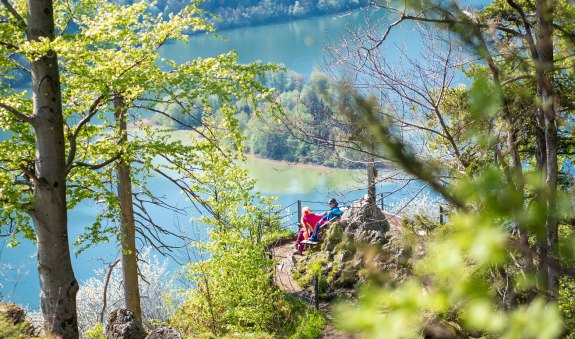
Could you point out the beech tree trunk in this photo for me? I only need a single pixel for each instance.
(57, 282)
(128, 226)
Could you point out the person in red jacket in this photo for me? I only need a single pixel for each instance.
(333, 213)
(308, 221)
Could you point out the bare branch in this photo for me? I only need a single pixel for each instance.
(73, 137)
(16, 64)
(399, 154)
(521, 77)
(95, 166)
(104, 297)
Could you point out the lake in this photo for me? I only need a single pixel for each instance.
(314, 185)
(299, 46)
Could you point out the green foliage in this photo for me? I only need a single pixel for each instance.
(9, 330)
(567, 303)
(315, 127)
(461, 273)
(491, 269)
(467, 264)
(310, 268)
(96, 332)
(307, 321)
(112, 53)
(234, 291)
(306, 130)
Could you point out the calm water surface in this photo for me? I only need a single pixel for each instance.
(299, 45)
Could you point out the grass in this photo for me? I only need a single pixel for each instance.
(309, 322)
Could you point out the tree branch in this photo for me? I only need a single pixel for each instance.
(19, 115)
(105, 301)
(73, 137)
(528, 36)
(9, 45)
(399, 154)
(31, 175)
(95, 166)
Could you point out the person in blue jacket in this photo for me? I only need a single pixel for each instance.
(334, 212)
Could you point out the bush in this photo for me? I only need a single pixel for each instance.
(96, 332)
(10, 330)
(567, 304)
(154, 291)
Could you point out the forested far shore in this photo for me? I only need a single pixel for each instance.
(236, 13)
(231, 14)
(306, 132)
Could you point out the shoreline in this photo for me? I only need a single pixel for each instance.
(284, 19)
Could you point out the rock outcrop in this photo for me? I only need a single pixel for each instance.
(13, 313)
(16, 315)
(365, 223)
(123, 324)
(164, 333)
(350, 248)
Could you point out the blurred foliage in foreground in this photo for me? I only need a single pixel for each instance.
(498, 152)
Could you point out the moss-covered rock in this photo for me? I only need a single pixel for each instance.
(13, 323)
(351, 248)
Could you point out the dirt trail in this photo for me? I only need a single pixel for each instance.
(283, 278)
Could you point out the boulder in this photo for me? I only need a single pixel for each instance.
(13, 313)
(365, 223)
(16, 315)
(164, 333)
(123, 324)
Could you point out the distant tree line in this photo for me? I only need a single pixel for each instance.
(310, 130)
(236, 13)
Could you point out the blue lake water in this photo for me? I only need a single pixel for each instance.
(320, 184)
(298, 45)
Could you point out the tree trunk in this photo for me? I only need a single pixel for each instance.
(128, 226)
(57, 282)
(545, 65)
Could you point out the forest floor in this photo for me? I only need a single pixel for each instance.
(283, 278)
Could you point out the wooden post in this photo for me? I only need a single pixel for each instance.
(371, 176)
(371, 181)
(298, 210)
(316, 291)
(441, 221)
(382, 202)
(259, 231)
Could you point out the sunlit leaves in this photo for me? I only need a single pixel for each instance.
(485, 97)
(234, 292)
(540, 319)
(474, 267)
(107, 50)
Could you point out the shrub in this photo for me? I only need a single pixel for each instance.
(10, 330)
(155, 293)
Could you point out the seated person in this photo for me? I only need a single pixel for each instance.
(308, 219)
(334, 212)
